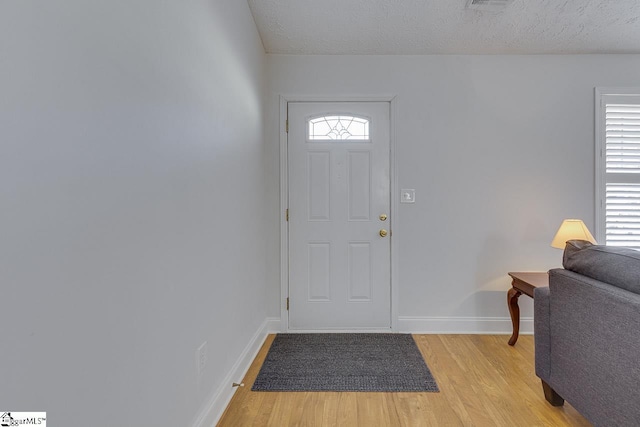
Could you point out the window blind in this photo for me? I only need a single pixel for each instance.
(622, 174)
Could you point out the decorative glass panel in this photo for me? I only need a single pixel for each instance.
(336, 127)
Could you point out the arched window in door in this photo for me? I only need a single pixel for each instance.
(338, 127)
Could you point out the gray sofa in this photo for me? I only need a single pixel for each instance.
(587, 333)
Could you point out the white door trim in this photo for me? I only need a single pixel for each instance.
(284, 196)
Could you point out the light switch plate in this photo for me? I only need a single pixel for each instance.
(407, 195)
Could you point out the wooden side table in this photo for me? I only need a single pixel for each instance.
(523, 283)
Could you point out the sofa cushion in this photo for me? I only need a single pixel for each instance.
(614, 265)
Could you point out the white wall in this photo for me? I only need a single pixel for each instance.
(131, 182)
(499, 150)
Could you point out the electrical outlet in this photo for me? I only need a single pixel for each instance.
(201, 358)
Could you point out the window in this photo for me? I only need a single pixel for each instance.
(618, 167)
(337, 127)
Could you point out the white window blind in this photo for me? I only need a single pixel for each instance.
(619, 169)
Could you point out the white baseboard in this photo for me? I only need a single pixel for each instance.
(214, 408)
(463, 325)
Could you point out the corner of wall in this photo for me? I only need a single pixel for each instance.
(214, 408)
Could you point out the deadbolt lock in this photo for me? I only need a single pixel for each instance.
(383, 217)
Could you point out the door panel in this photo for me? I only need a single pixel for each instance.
(360, 271)
(359, 186)
(319, 189)
(339, 264)
(319, 271)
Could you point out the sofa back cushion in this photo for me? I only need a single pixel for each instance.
(614, 265)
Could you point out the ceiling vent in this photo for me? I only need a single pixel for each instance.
(488, 5)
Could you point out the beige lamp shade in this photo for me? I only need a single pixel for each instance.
(571, 229)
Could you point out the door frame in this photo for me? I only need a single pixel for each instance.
(284, 198)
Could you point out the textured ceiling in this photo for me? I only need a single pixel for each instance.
(447, 27)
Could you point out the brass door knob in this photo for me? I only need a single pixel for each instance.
(383, 217)
(383, 233)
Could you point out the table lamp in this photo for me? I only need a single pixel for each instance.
(572, 229)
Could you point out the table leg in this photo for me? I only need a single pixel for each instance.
(514, 310)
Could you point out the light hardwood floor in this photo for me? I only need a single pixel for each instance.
(482, 380)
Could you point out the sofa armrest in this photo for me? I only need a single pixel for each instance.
(542, 332)
(594, 346)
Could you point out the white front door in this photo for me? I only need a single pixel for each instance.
(339, 208)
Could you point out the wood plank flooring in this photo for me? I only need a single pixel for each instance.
(482, 380)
